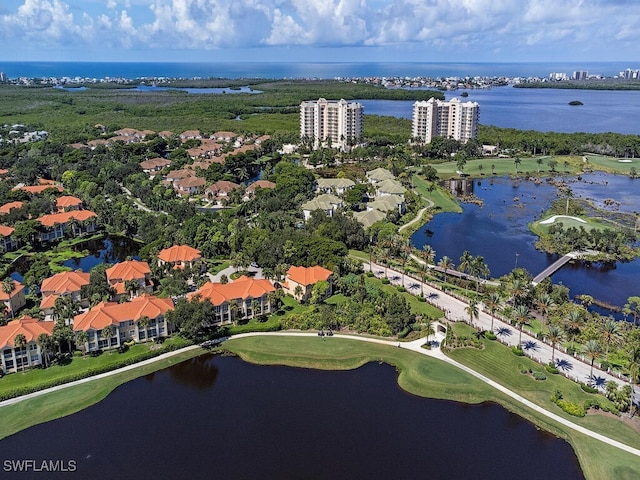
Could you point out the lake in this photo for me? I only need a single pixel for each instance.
(543, 109)
(219, 417)
(499, 232)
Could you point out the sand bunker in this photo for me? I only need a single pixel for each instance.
(555, 217)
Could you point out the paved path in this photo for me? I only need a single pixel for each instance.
(572, 367)
(435, 352)
(418, 216)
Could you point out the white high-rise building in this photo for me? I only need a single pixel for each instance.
(330, 122)
(452, 119)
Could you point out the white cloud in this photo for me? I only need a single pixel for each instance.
(445, 25)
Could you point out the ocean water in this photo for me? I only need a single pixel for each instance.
(299, 70)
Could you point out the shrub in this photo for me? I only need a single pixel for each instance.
(571, 408)
(401, 288)
(571, 350)
(385, 281)
(551, 368)
(604, 365)
(490, 336)
(539, 376)
(517, 350)
(369, 274)
(588, 388)
(421, 299)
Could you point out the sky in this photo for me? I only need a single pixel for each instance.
(319, 30)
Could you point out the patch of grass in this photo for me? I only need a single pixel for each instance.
(417, 307)
(442, 199)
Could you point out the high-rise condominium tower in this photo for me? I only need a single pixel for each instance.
(452, 119)
(331, 123)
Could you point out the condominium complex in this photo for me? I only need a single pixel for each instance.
(453, 119)
(331, 123)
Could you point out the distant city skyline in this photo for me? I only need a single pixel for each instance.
(319, 30)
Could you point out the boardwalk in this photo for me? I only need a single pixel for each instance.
(561, 262)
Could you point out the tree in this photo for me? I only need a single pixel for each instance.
(521, 315)
(8, 286)
(143, 324)
(45, 343)
(20, 343)
(552, 164)
(82, 338)
(446, 264)
(298, 291)
(539, 162)
(319, 291)
(472, 310)
(544, 304)
(493, 302)
(632, 307)
(465, 262)
(573, 323)
(131, 286)
(428, 327)
(107, 333)
(592, 349)
(478, 268)
(555, 336)
(517, 163)
(610, 334)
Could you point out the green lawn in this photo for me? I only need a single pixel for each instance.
(490, 166)
(442, 199)
(421, 308)
(613, 164)
(591, 224)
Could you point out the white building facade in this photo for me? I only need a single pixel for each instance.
(451, 119)
(331, 123)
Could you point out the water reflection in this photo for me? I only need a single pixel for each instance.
(199, 373)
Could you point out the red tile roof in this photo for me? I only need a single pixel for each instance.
(261, 184)
(128, 270)
(179, 253)
(30, 327)
(112, 313)
(308, 275)
(7, 207)
(39, 188)
(242, 288)
(65, 217)
(68, 201)
(5, 297)
(6, 231)
(64, 282)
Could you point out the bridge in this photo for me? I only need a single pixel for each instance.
(561, 262)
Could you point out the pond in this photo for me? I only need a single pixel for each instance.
(498, 230)
(219, 417)
(106, 250)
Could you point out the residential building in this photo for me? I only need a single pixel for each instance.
(369, 217)
(326, 202)
(63, 284)
(7, 241)
(124, 320)
(389, 187)
(189, 185)
(7, 207)
(378, 175)
(136, 271)
(219, 190)
(338, 186)
(331, 123)
(76, 222)
(38, 189)
(306, 278)
(154, 165)
(250, 191)
(15, 299)
(451, 119)
(245, 297)
(67, 203)
(13, 358)
(180, 257)
(388, 203)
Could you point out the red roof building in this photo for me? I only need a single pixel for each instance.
(245, 297)
(180, 256)
(57, 223)
(12, 358)
(67, 202)
(7, 207)
(130, 270)
(306, 278)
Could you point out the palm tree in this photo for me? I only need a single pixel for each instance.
(465, 262)
(592, 349)
(298, 291)
(610, 334)
(428, 327)
(82, 338)
(131, 286)
(493, 302)
(521, 315)
(573, 323)
(234, 309)
(20, 343)
(107, 333)
(143, 324)
(517, 163)
(8, 286)
(544, 304)
(45, 343)
(424, 268)
(479, 269)
(428, 253)
(539, 162)
(446, 264)
(472, 310)
(555, 336)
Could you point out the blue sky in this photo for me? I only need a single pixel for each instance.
(320, 30)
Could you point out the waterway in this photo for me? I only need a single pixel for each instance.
(219, 417)
(498, 230)
(543, 110)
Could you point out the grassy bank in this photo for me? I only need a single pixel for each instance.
(431, 378)
(14, 418)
